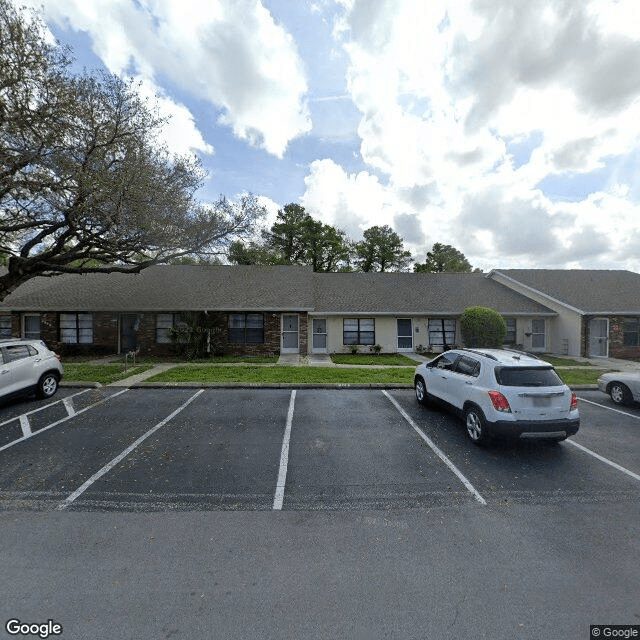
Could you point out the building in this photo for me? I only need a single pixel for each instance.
(290, 309)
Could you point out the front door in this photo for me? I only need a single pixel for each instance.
(598, 338)
(405, 334)
(538, 334)
(289, 334)
(319, 335)
(128, 332)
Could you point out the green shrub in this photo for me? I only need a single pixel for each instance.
(482, 327)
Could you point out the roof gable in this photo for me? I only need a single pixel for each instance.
(589, 291)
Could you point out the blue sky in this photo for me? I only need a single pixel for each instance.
(509, 130)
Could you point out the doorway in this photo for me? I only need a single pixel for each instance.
(598, 337)
(290, 334)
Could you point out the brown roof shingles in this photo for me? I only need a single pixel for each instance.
(591, 291)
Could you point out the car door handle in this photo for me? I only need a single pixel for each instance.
(4, 371)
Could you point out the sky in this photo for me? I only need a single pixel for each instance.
(510, 130)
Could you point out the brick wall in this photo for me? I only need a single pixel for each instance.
(616, 341)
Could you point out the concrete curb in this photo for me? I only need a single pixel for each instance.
(267, 385)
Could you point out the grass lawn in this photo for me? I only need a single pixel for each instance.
(387, 359)
(299, 375)
(103, 373)
(579, 376)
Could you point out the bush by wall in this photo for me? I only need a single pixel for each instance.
(482, 327)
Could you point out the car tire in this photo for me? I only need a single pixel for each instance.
(475, 425)
(421, 391)
(47, 385)
(620, 393)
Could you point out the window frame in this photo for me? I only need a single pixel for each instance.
(634, 331)
(6, 326)
(357, 334)
(244, 332)
(434, 330)
(176, 320)
(511, 335)
(79, 329)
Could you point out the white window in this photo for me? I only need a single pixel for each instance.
(164, 322)
(441, 331)
(510, 335)
(31, 327)
(359, 331)
(76, 328)
(5, 326)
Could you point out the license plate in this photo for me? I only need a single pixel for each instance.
(541, 401)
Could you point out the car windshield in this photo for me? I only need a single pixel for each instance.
(527, 377)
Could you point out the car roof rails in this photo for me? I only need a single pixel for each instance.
(480, 353)
(522, 353)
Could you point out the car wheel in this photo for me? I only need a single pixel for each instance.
(475, 425)
(47, 385)
(421, 391)
(620, 393)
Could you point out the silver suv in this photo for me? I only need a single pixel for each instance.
(27, 366)
(500, 393)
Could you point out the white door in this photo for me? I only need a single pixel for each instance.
(538, 334)
(405, 334)
(319, 344)
(598, 338)
(289, 334)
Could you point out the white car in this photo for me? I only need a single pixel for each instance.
(622, 386)
(27, 366)
(500, 393)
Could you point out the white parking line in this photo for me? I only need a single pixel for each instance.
(26, 428)
(603, 459)
(624, 413)
(107, 467)
(437, 450)
(278, 499)
(46, 406)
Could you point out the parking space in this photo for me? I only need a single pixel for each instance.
(184, 449)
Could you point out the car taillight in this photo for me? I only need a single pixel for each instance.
(574, 402)
(500, 403)
(57, 356)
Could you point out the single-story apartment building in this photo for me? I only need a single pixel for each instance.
(290, 309)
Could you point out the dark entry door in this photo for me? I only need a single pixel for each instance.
(128, 332)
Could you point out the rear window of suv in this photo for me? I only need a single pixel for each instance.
(527, 377)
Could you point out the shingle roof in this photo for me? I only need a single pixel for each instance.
(416, 293)
(171, 288)
(590, 291)
(286, 288)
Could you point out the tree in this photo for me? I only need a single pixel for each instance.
(482, 327)
(251, 253)
(287, 235)
(444, 258)
(381, 250)
(84, 184)
(327, 248)
(296, 238)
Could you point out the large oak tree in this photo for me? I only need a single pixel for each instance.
(85, 185)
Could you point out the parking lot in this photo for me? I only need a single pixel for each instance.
(274, 499)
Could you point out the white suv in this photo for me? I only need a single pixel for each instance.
(27, 366)
(500, 393)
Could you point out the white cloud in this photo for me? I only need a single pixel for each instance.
(444, 88)
(230, 53)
